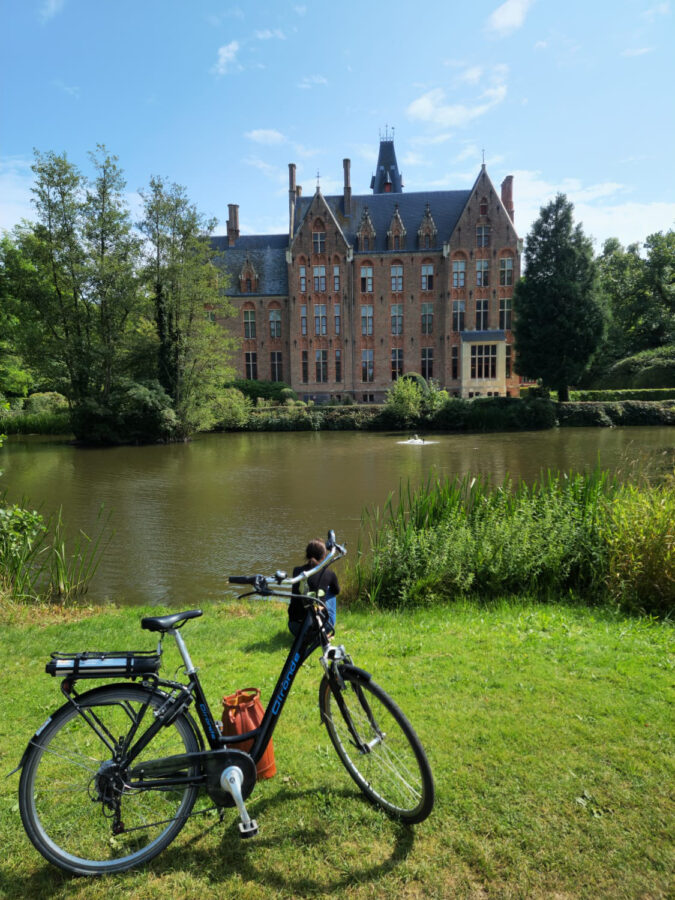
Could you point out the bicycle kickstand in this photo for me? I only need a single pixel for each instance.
(231, 781)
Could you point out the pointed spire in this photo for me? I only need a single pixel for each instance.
(387, 178)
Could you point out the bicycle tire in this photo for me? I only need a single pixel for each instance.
(61, 781)
(395, 773)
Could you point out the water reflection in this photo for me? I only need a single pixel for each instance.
(187, 515)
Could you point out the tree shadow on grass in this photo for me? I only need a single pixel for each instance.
(249, 860)
(282, 640)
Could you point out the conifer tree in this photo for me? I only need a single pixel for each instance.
(559, 314)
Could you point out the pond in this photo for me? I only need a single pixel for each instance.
(185, 516)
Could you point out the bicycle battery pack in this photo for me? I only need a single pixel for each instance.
(94, 664)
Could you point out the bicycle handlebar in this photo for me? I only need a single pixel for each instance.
(261, 583)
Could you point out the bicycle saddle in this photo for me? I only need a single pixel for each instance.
(165, 623)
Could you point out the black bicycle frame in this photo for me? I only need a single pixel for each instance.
(300, 651)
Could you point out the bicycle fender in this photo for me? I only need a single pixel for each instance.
(354, 670)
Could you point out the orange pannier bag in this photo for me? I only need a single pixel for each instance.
(242, 712)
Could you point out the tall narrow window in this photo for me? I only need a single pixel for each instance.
(509, 361)
(319, 241)
(396, 363)
(366, 320)
(303, 320)
(397, 242)
(505, 313)
(506, 271)
(276, 373)
(336, 279)
(319, 279)
(427, 278)
(458, 310)
(397, 318)
(322, 366)
(482, 268)
(366, 279)
(427, 318)
(483, 360)
(481, 315)
(305, 367)
(458, 273)
(483, 236)
(396, 279)
(252, 366)
(338, 365)
(454, 362)
(366, 243)
(303, 279)
(427, 362)
(275, 323)
(320, 320)
(367, 365)
(338, 318)
(249, 323)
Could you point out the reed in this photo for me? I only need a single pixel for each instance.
(53, 422)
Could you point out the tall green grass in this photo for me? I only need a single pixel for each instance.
(51, 422)
(564, 534)
(38, 561)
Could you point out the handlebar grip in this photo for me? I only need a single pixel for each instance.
(242, 579)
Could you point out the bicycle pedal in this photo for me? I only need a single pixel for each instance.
(248, 831)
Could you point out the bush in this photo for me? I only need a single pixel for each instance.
(136, 412)
(649, 369)
(403, 406)
(268, 390)
(232, 410)
(494, 414)
(626, 413)
(49, 401)
(650, 394)
(287, 394)
(640, 534)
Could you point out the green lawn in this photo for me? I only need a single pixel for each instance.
(549, 730)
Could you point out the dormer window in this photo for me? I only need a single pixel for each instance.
(249, 285)
(483, 206)
(319, 241)
(426, 235)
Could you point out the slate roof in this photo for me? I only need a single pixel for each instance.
(267, 254)
(387, 170)
(446, 207)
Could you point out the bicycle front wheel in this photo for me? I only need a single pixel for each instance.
(76, 804)
(378, 747)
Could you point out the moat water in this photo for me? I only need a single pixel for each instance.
(186, 516)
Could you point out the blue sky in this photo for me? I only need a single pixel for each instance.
(566, 96)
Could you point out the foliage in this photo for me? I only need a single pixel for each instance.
(494, 414)
(232, 409)
(648, 369)
(37, 423)
(657, 395)
(35, 560)
(624, 413)
(267, 390)
(136, 412)
(640, 535)
(450, 539)
(187, 300)
(45, 402)
(403, 403)
(559, 317)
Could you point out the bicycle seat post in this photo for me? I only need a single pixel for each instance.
(183, 650)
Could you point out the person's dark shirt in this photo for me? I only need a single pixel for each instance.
(325, 580)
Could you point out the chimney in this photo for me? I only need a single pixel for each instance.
(299, 191)
(232, 223)
(507, 195)
(292, 194)
(347, 200)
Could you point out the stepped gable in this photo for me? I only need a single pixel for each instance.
(446, 207)
(265, 252)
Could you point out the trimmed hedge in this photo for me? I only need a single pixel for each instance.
(657, 394)
(624, 413)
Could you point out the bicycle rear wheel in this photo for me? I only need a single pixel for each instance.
(388, 762)
(74, 799)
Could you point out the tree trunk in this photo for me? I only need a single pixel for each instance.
(563, 394)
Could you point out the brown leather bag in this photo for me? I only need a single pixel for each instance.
(242, 712)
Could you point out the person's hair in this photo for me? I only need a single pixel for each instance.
(316, 550)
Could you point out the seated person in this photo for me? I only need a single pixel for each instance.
(325, 580)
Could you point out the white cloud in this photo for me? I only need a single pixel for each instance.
(414, 159)
(469, 152)
(310, 81)
(265, 136)
(637, 51)
(16, 180)
(432, 108)
(274, 173)
(508, 17)
(71, 90)
(300, 10)
(601, 208)
(227, 56)
(49, 9)
(267, 34)
(431, 140)
(472, 75)
(541, 45)
(661, 9)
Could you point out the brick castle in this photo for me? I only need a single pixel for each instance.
(367, 287)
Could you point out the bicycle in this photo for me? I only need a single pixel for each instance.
(109, 779)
